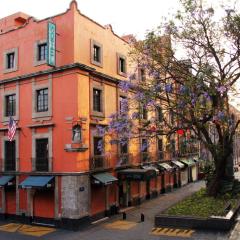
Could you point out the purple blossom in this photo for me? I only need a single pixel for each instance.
(139, 96)
(100, 130)
(182, 89)
(193, 101)
(158, 87)
(151, 102)
(181, 104)
(221, 115)
(222, 89)
(168, 88)
(124, 105)
(124, 85)
(206, 95)
(100, 146)
(135, 115)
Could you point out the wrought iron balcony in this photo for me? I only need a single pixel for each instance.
(145, 157)
(9, 164)
(42, 164)
(124, 159)
(99, 162)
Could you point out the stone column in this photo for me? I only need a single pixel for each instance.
(56, 198)
(17, 195)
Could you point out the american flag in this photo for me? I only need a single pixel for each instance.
(12, 126)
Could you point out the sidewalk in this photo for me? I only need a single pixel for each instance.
(152, 207)
(141, 230)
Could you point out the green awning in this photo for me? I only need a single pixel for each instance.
(36, 182)
(178, 164)
(151, 168)
(104, 178)
(137, 174)
(189, 162)
(4, 180)
(165, 166)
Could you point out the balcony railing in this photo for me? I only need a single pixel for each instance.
(42, 164)
(10, 166)
(145, 157)
(124, 159)
(99, 162)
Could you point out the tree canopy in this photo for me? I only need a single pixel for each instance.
(190, 94)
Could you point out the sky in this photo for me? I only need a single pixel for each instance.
(126, 16)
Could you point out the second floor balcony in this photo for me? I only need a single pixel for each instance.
(42, 164)
(99, 162)
(124, 159)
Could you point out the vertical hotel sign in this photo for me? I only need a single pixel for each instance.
(51, 44)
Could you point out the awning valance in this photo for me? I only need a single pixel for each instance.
(104, 178)
(4, 180)
(165, 166)
(137, 174)
(189, 162)
(36, 182)
(151, 168)
(178, 164)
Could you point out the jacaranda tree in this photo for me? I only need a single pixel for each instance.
(193, 93)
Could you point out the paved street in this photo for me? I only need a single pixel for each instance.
(115, 228)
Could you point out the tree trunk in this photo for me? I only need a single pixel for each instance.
(223, 174)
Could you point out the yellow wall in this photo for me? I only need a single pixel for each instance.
(85, 30)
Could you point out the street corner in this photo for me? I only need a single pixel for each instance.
(120, 225)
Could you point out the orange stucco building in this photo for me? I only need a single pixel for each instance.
(52, 171)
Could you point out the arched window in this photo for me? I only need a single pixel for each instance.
(76, 133)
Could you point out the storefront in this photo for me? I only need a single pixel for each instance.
(179, 171)
(104, 193)
(167, 179)
(41, 199)
(8, 195)
(191, 169)
(135, 185)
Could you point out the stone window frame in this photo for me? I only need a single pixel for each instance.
(37, 87)
(98, 86)
(92, 44)
(7, 93)
(15, 68)
(119, 56)
(16, 139)
(35, 60)
(36, 136)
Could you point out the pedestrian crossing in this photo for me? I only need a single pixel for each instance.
(172, 232)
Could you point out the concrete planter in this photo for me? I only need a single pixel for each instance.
(211, 223)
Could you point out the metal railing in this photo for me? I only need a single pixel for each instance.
(124, 159)
(42, 164)
(99, 162)
(145, 157)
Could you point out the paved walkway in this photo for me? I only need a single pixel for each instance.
(159, 204)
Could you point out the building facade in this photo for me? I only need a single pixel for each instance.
(53, 170)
